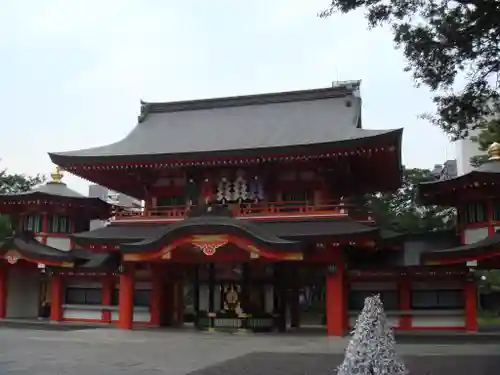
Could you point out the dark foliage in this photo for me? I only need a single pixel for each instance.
(12, 184)
(445, 43)
(400, 212)
(489, 133)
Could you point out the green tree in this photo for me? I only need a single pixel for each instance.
(489, 133)
(12, 184)
(400, 212)
(18, 183)
(452, 47)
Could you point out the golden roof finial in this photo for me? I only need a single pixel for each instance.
(494, 151)
(57, 175)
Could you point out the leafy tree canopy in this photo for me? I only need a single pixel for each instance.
(12, 184)
(444, 42)
(400, 212)
(18, 183)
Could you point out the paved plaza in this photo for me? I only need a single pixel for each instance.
(110, 351)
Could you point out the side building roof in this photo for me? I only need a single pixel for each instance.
(25, 246)
(449, 191)
(53, 190)
(488, 247)
(240, 126)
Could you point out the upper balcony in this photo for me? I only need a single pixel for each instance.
(257, 211)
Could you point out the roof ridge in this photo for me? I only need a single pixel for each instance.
(340, 90)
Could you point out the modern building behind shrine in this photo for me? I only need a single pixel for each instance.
(254, 218)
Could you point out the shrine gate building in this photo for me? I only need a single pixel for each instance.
(254, 218)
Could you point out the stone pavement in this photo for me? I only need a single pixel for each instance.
(110, 351)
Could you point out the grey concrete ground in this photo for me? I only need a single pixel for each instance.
(107, 351)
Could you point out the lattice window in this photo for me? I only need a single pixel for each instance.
(437, 299)
(83, 296)
(32, 223)
(59, 224)
(476, 212)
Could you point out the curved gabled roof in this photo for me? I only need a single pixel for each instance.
(293, 230)
(54, 189)
(212, 220)
(26, 244)
(486, 248)
(29, 248)
(448, 191)
(243, 126)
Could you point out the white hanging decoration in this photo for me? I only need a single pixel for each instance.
(240, 189)
(224, 190)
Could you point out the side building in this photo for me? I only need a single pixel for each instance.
(476, 196)
(42, 221)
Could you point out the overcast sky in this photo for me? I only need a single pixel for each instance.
(73, 72)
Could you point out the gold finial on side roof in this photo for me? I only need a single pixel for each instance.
(57, 175)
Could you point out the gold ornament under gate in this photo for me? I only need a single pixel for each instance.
(232, 298)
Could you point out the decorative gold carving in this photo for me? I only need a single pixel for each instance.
(232, 298)
(209, 244)
(494, 151)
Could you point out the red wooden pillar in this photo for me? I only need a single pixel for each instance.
(156, 294)
(3, 291)
(470, 306)
(108, 288)
(404, 287)
(336, 297)
(126, 299)
(56, 298)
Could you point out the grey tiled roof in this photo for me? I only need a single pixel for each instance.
(490, 168)
(487, 172)
(301, 118)
(488, 245)
(27, 245)
(212, 225)
(56, 189)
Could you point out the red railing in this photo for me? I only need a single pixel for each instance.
(257, 210)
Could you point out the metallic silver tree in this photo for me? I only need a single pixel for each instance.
(372, 349)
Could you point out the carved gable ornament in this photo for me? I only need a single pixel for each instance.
(209, 244)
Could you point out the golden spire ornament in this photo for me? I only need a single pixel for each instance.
(57, 175)
(494, 151)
